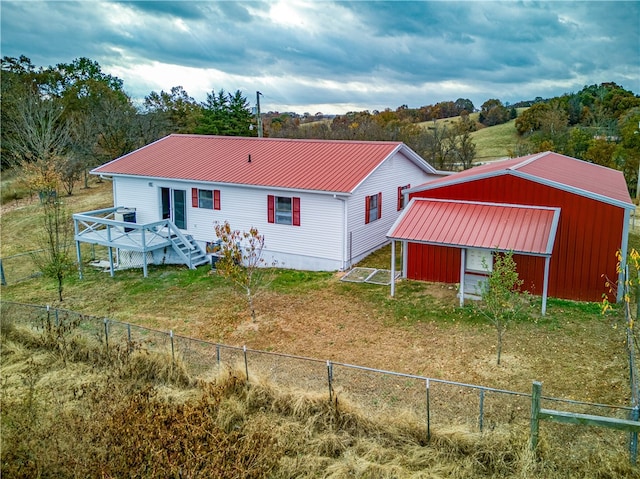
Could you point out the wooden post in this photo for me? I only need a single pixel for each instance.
(633, 442)
(111, 272)
(536, 393)
(3, 281)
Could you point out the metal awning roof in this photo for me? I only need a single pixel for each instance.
(496, 226)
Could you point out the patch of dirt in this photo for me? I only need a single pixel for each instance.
(326, 326)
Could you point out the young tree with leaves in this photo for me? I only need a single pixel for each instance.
(55, 237)
(241, 262)
(502, 299)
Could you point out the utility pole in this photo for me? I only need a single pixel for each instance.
(258, 113)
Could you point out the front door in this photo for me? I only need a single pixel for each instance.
(174, 206)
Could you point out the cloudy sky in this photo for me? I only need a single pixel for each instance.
(334, 57)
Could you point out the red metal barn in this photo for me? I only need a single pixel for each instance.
(594, 212)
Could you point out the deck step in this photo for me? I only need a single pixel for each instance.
(198, 257)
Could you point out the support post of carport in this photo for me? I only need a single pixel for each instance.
(545, 284)
(393, 267)
(463, 260)
(405, 260)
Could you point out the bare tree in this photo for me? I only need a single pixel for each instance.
(38, 131)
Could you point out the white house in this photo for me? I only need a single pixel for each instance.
(321, 205)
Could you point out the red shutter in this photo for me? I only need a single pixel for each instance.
(296, 211)
(271, 208)
(399, 198)
(367, 207)
(379, 205)
(216, 199)
(194, 197)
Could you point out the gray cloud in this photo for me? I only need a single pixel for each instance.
(337, 55)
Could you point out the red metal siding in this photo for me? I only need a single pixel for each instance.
(433, 263)
(589, 234)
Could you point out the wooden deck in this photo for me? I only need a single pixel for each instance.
(102, 228)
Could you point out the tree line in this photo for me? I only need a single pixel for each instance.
(75, 116)
(599, 124)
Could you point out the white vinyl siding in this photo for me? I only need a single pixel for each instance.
(319, 243)
(365, 238)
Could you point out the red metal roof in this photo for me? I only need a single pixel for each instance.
(558, 170)
(517, 228)
(325, 165)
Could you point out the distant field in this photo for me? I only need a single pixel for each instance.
(495, 142)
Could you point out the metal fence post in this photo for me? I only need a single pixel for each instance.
(3, 280)
(535, 409)
(428, 412)
(246, 364)
(481, 418)
(218, 354)
(129, 344)
(330, 379)
(173, 354)
(106, 333)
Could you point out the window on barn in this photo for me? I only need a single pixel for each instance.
(401, 196)
(207, 199)
(373, 208)
(284, 210)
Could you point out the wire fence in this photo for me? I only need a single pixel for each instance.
(433, 402)
(20, 267)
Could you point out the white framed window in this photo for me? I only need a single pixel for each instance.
(284, 210)
(205, 199)
(373, 208)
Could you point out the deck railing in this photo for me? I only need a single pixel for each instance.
(101, 227)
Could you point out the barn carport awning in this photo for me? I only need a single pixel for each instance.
(522, 229)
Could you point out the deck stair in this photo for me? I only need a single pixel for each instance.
(189, 250)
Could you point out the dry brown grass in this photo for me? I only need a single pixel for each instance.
(82, 419)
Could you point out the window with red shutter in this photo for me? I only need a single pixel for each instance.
(373, 208)
(271, 208)
(367, 209)
(296, 211)
(283, 210)
(401, 195)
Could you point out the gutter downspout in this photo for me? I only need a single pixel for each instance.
(344, 231)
